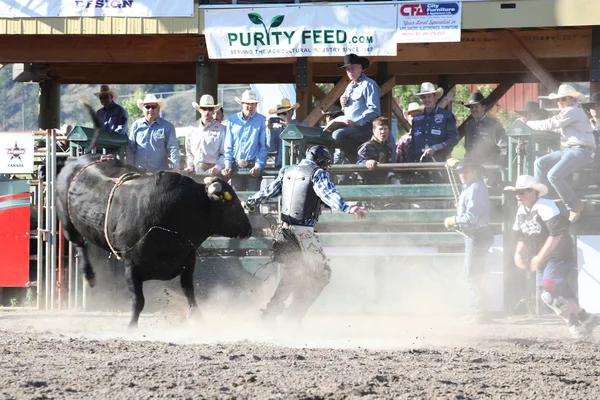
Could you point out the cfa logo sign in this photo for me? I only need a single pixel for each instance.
(429, 9)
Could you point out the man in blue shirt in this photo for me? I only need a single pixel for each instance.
(112, 116)
(152, 141)
(246, 144)
(361, 105)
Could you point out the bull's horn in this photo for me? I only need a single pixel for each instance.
(209, 179)
(215, 188)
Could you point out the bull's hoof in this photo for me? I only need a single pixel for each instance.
(91, 281)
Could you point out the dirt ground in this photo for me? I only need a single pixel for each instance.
(60, 355)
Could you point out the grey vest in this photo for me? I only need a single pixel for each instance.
(299, 202)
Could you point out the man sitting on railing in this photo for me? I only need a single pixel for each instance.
(376, 151)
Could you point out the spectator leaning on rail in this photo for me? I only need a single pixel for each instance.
(472, 219)
(434, 132)
(205, 145)
(285, 117)
(246, 144)
(112, 116)
(376, 151)
(545, 246)
(361, 105)
(578, 151)
(152, 140)
(405, 141)
(303, 189)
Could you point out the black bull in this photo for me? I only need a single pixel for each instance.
(154, 222)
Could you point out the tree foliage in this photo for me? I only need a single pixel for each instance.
(130, 104)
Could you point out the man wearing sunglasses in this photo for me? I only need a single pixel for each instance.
(578, 147)
(276, 125)
(545, 247)
(112, 116)
(152, 140)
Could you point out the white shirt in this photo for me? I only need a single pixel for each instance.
(206, 144)
(573, 125)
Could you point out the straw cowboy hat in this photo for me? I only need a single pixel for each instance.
(533, 107)
(413, 107)
(249, 96)
(206, 101)
(528, 182)
(428, 88)
(150, 99)
(105, 89)
(567, 91)
(286, 105)
(594, 100)
(352, 58)
(475, 98)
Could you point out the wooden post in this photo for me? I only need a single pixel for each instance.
(383, 79)
(207, 82)
(595, 65)
(304, 87)
(49, 105)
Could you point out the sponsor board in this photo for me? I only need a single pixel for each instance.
(429, 22)
(16, 153)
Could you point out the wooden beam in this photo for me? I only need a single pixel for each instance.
(317, 92)
(304, 84)
(516, 45)
(447, 97)
(207, 81)
(388, 86)
(400, 115)
(493, 98)
(315, 115)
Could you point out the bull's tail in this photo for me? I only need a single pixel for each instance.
(97, 126)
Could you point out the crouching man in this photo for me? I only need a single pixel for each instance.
(545, 246)
(303, 188)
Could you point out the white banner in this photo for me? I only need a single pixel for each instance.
(319, 31)
(429, 22)
(16, 153)
(95, 8)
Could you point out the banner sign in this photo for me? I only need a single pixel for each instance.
(16, 153)
(319, 31)
(429, 22)
(95, 8)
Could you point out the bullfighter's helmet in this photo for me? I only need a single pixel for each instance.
(320, 155)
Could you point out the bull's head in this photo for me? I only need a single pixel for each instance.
(232, 221)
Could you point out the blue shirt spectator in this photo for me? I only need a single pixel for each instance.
(363, 100)
(246, 140)
(113, 117)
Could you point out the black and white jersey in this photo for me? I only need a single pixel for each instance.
(544, 219)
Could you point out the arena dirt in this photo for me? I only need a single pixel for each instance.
(59, 355)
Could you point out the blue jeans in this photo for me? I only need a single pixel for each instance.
(349, 139)
(553, 278)
(476, 252)
(554, 168)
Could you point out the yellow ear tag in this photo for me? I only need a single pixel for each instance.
(227, 196)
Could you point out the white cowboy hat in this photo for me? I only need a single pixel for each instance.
(528, 182)
(105, 89)
(567, 90)
(249, 96)
(206, 101)
(428, 88)
(286, 105)
(413, 107)
(150, 99)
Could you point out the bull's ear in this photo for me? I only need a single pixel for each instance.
(227, 196)
(213, 191)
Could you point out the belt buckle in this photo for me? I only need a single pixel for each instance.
(242, 163)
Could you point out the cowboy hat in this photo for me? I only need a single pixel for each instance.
(105, 89)
(594, 100)
(286, 105)
(150, 99)
(475, 98)
(428, 88)
(206, 101)
(352, 58)
(468, 164)
(528, 182)
(534, 107)
(567, 91)
(412, 107)
(249, 96)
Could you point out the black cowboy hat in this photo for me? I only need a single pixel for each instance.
(594, 99)
(476, 98)
(352, 58)
(533, 107)
(469, 163)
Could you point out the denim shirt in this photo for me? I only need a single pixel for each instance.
(246, 139)
(363, 104)
(473, 210)
(113, 118)
(153, 146)
(428, 129)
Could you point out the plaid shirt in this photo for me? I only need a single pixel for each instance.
(323, 187)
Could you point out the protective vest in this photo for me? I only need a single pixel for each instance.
(299, 202)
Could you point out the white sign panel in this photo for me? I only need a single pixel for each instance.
(95, 8)
(323, 31)
(16, 153)
(429, 22)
